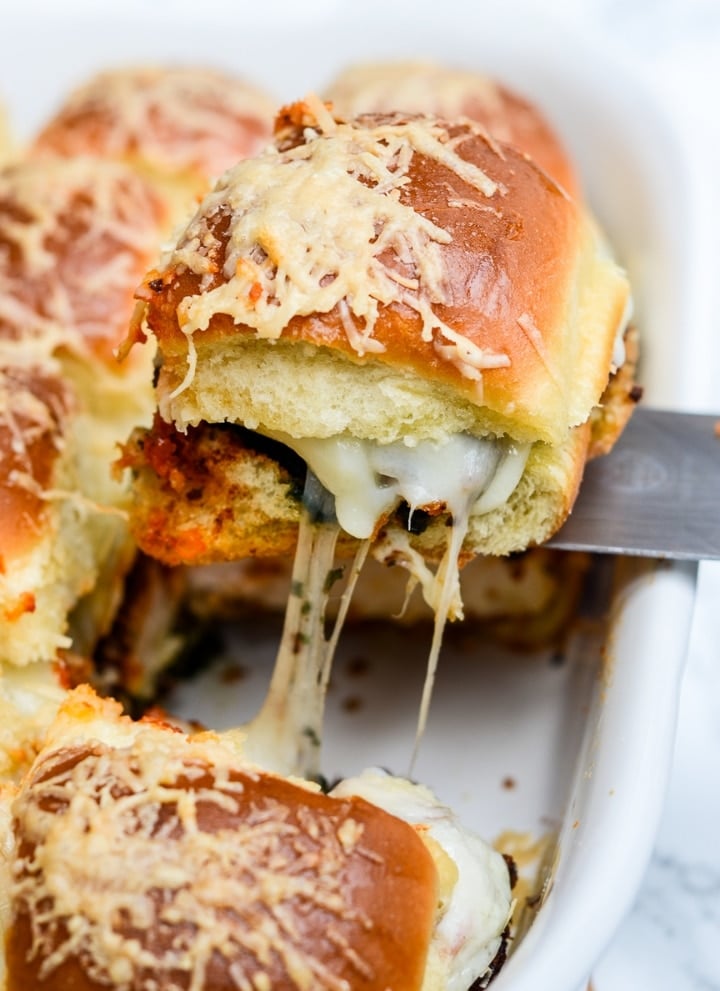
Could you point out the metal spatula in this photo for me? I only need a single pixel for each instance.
(657, 494)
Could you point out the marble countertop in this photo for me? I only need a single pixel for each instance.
(670, 938)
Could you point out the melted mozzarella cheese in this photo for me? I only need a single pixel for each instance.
(286, 734)
(469, 932)
(368, 480)
(619, 355)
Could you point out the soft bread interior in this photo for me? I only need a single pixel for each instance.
(30, 697)
(244, 381)
(58, 509)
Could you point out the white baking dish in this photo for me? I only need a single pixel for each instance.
(525, 743)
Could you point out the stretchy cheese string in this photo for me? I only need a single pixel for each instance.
(286, 735)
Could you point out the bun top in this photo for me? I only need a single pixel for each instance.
(74, 237)
(406, 242)
(174, 120)
(428, 88)
(262, 882)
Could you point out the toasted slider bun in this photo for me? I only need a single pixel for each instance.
(74, 238)
(136, 853)
(180, 125)
(46, 563)
(397, 289)
(81, 219)
(421, 87)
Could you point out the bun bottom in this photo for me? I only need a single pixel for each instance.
(219, 492)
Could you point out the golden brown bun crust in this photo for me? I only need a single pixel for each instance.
(34, 406)
(172, 119)
(424, 87)
(263, 876)
(523, 282)
(74, 237)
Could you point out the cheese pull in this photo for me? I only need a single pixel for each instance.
(406, 308)
(369, 480)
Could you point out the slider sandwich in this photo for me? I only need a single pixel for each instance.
(393, 325)
(81, 219)
(528, 599)
(136, 856)
(74, 237)
(413, 310)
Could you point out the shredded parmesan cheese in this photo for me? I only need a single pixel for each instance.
(93, 820)
(172, 117)
(74, 238)
(292, 250)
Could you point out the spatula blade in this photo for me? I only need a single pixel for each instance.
(657, 493)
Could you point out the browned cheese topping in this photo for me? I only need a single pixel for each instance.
(174, 118)
(34, 405)
(159, 863)
(75, 237)
(277, 227)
